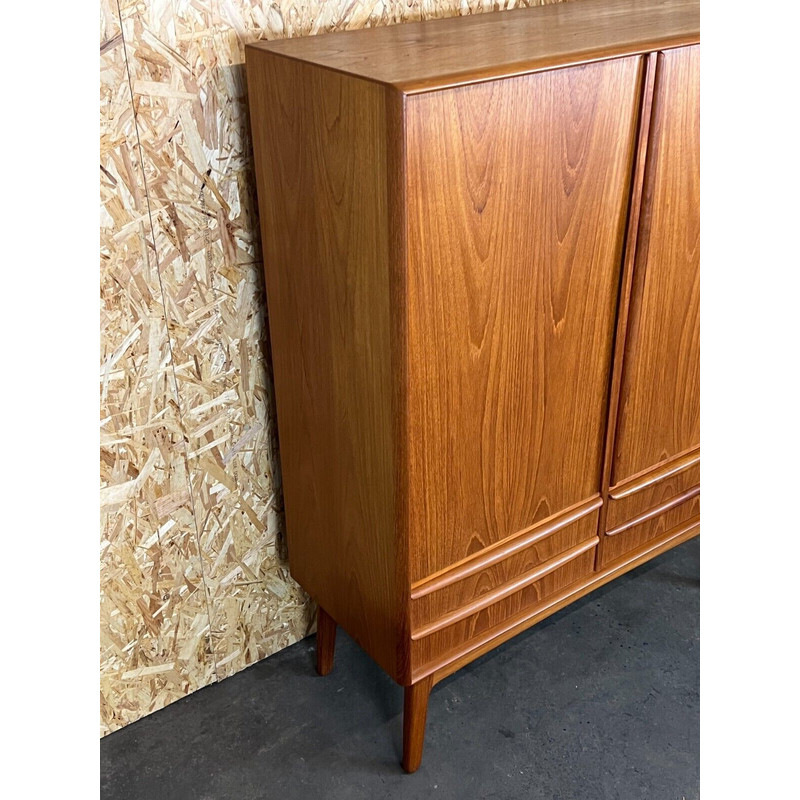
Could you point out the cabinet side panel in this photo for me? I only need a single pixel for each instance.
(517, 198)
(320, 145)
(659, 412)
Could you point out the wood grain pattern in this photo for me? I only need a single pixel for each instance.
(432, 55)
(517, 194)
(653, 526)
(647, 84)
(658, 511)
(415, 713)
(458, 637)
(462, 594)
(461, 610)
(659, 413)
(321, 167)
(452, 661)
(326, 641)
(643, 480)
(396, 155)
(523, 540)
(651, 492)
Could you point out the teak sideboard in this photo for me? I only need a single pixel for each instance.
(481, 249)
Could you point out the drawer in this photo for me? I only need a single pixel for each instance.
(658, 522)
(634, 497)
(494, 571)
(453, 610)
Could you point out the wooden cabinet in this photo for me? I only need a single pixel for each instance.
(480, 240)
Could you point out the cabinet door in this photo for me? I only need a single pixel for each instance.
(517, 193)
(656, 449)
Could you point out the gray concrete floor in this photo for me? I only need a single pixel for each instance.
(599, 701)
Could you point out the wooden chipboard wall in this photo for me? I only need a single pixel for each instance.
(193, 573)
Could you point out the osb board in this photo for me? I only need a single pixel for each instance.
(194, 580)
(155, 643)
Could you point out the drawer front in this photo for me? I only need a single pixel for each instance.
(450, 611)
(483, 579)
(635, 497)
(454, 639)
(661, 521)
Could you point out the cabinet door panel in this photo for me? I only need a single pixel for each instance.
(517, 193)
(659, 411)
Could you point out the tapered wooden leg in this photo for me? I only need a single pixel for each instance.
(326, 641)
(415, 712)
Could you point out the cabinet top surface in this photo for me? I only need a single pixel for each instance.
(434, 54)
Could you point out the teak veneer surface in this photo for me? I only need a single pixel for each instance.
(659, 410)
(460, 593)
(510, 326)
(650, 489)
(493, 637)
(455, 633)
(438, 53)
(651, 526)
(324, 210)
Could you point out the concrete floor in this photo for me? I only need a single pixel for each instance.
(599, 701)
